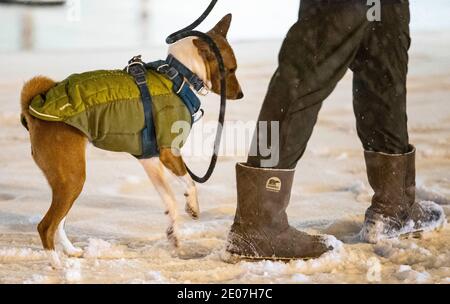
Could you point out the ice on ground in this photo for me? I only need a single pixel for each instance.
(72, 270)
(156, 277)
(300, 278)
(408, 275)
(98, 248)
(18, 254)
(37, 279)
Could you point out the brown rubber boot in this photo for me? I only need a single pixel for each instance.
(394, 212)
(261, 229)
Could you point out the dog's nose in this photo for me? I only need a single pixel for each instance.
(240, 95)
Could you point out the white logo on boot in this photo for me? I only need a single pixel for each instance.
(273, 184)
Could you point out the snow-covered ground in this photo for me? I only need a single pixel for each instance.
(119, 220)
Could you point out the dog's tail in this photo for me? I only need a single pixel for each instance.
(33, 87)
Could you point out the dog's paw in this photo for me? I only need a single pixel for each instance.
(55, 262)
(194, 214)
(172, 236)
(192, 208)
(74, 252)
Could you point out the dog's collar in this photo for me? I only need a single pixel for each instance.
(179, 74)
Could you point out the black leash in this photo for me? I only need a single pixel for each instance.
(189, 32)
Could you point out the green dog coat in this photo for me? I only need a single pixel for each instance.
(106, 106)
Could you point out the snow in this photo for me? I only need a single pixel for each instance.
(73, 270)
(98, 248)
(37, 279)
(119, 219)
(408, 275)
(17, 254)
(300, 278)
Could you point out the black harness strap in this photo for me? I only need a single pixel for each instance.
(137, 69)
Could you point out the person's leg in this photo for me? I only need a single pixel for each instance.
(379, 88)
(314, 56)
(379, 82)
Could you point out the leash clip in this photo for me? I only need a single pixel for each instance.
(136, 60)
(136, 68)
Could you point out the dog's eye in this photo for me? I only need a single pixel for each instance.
(232, 70)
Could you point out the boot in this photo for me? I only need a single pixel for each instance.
(394, 212)
(261, 229)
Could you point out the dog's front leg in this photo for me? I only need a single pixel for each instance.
(176, 166)
(155, 172)
(190, 192)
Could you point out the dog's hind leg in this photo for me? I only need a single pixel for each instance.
(176, 165)
(59, 151)
(155, 172)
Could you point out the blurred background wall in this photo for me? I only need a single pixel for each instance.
(118, 24)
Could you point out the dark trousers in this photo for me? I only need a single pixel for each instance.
(329, 38)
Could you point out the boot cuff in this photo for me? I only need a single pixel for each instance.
(245, 166)
(411, 151)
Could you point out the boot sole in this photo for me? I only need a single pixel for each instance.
(233, 258)
(415, 234)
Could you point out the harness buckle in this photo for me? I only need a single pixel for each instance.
(137, 70)
(172, 73)
(162, 68)
(169, 71)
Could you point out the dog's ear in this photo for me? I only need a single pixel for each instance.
(223, 26)
(203, 49)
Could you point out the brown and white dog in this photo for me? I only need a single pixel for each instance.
(59, 149)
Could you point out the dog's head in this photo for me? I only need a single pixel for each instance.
(219, 35)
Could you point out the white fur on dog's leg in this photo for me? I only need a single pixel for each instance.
(155, 172)
(190, 192)
(55, 262)
(68, 247)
